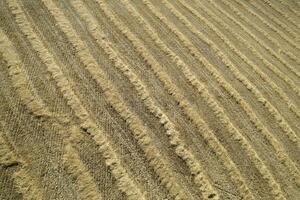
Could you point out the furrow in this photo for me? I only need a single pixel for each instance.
(283, 26)
(91, 96)
(227, 87)
(257, 54)
(124, 181)
(274, 28)
(180, 147)
(184, 105)
(43, 53)
(283, 14)
(18, 68)
(149, 99)
(20, 78)
(86, 186)
(235, 134)
(278, 90)
(41, 85)
(267, 35)
(93, 99)
(34, 140)
(160, 166)
(93, 159)
(281, 154)
(281, 121)
(261, 42)
(169, 106)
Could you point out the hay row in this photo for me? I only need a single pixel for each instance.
(257, 54)
(183, 103)
(278, 117)
(152, 106)
(20, 79)
(124, 182)
(133, 121)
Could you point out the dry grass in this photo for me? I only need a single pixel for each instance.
(148, 99)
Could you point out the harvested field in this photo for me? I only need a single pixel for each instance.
(150, 99)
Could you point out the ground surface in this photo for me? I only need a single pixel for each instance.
(149, 99)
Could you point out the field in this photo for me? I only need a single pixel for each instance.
(150, 99)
